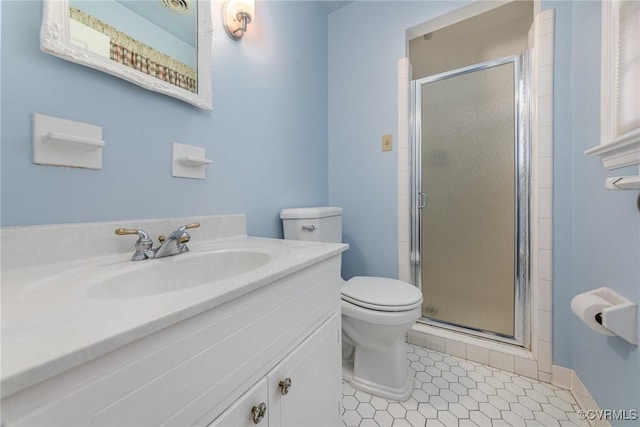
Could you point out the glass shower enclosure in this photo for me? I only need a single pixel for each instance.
(470, 211)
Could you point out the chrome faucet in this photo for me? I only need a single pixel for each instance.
(174, 244)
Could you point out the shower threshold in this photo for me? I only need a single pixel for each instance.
(471, 332)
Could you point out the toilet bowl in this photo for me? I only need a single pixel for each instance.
(376, 313)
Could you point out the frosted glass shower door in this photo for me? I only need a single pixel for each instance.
(469, 175)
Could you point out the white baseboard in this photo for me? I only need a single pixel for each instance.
(568, 379)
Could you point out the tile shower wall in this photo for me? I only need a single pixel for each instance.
(537, 362)
(542, 59)
(267, 134)
(404, 170)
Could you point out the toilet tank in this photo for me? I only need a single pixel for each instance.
(322, 224)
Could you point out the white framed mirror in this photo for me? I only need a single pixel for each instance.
(161, 45)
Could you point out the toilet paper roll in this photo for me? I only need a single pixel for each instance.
(586, 306)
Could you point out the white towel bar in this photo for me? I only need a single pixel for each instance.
(73, 142)
(194, 161)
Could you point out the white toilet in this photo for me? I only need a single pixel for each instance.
(376, 313)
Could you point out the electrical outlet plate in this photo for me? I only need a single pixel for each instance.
(387, 142)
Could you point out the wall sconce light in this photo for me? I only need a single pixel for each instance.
(237, 15)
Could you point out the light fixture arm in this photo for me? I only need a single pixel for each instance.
(245, 19)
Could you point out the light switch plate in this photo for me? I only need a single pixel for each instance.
(387, 142)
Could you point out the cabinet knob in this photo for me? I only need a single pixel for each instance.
(284, 386)
(259, 412)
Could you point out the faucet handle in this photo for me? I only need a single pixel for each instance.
(182, 237)
(124, 231)
(185, 237)
(143, 244)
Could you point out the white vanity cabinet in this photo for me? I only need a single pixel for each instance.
(211, 368)
(314, 369)
(247, 411)
(303, 390)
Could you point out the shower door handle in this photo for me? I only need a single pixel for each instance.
(422, 200)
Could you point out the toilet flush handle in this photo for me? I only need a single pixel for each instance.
(309, 228)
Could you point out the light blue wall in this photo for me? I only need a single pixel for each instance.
(606, 231)
(267, 135)
(366, 40)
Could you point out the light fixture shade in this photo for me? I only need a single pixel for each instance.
(247, 7)
(237, 14)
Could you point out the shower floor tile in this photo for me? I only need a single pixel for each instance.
(452, 392)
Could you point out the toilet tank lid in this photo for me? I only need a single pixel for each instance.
(310, 213)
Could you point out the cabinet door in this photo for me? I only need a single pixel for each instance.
(245, 412)
(305, 389)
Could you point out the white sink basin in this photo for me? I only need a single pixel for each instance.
(62, 308)
(177, 273)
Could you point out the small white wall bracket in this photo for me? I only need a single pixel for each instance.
(188, 161)
(61, 142)
(623, 183)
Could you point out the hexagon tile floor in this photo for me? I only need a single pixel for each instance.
(452, 392)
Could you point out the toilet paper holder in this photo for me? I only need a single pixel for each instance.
(621, 317)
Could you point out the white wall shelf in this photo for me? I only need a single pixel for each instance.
(61, 142)
(188, 161)
(618, 154)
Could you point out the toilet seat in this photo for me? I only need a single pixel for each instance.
(381, 294)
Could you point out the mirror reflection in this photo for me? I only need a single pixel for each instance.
(156, 37)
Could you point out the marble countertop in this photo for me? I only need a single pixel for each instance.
(51, 323)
